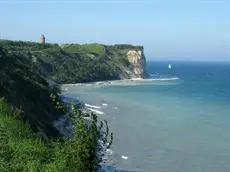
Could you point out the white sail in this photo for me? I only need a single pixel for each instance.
(169, 66)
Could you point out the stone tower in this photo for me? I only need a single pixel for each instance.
(42, 40)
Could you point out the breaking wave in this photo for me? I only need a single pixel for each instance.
(92, 106)
(96, 111)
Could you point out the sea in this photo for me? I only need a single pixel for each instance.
(177, 120)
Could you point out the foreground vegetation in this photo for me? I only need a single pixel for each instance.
(21, 150)
(28, 107)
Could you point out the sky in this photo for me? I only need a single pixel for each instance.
(168, 29)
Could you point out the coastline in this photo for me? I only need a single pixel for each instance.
(86, 106)
(66, 127)
(100, 109)
(132, 81)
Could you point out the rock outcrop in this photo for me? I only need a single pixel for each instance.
(136, 67)
(137, 60)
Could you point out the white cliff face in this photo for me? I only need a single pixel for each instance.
(137, 59)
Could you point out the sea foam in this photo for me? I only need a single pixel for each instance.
(96, 111)
(124, 157)
(92, 106)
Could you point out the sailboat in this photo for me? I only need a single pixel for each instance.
(169, 66)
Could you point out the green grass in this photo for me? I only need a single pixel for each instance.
(24, 89)
(95, 48)
(22, 150)
(24, 46)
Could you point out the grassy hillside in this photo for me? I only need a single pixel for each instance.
(28, 106)
(28, 92)
(96, 49)
(72, 63)
(21, 150)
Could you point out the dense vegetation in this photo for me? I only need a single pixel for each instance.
(28, 92)
(21, 150)
(28, 106)
(72, 63)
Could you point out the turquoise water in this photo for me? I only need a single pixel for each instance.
(170, 125)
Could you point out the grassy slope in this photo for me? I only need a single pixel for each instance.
(72, 63)
(27, 97)
(21, 150)
(28, 91)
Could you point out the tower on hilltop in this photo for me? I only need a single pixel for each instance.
(42, 40)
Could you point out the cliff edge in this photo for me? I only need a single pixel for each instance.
(74, 63)
(136, 58)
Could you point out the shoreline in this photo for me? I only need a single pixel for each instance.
(64, 125)
(66, 128)
(132, 81)
(108, 158)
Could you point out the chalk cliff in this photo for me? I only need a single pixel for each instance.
(136, 66)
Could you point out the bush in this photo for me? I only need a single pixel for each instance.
(21, 150)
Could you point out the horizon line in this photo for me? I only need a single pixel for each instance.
(185, 60)
(76, 2)
(98, 1)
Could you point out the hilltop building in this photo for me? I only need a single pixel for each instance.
(42, 40)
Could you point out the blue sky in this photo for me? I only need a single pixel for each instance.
(168, 29)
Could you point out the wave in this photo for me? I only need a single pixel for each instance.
(162, 79)
(139, 81)
(96, 111)
(136, 80)
(124, 157)
(152, 74)
(92, 106)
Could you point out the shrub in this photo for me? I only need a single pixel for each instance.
(21, 150)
